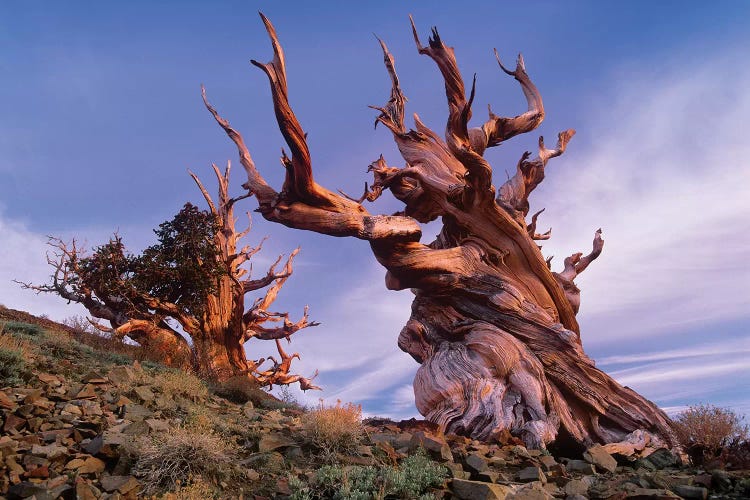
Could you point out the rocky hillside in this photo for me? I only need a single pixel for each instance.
(89, 423)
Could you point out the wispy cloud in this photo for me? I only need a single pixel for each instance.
(663, 168)
(730, 347)
(675, 378)
(355, 349)
(665, 374)
(23, 260)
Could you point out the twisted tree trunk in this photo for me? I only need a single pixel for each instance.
(493, 328)
(227, 324)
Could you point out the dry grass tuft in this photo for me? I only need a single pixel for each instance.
(240, 389)
(179, 383)
(194, 489)
(10, 342)
(13, 355)
(201, 419)
(165, 461)
(334, 428)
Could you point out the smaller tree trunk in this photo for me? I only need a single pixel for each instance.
(215, 331)
(221, 359)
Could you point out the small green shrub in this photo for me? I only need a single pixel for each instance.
(12, 367)
(63, 347)
(21, 329)
(153, 366)
(114, 358)
(416, 475)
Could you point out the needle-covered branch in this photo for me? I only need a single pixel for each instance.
(192, 277)
(71, 280)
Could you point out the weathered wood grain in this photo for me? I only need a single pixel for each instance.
(492, 326)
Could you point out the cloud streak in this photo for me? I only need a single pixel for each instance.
(23, 258)
(731, 347)
(664, 173)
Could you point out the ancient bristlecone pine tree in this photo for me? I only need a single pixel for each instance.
(139, 301)
(492, 326)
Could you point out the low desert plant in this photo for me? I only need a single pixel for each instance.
(288, 398)
(415, 475)
(179, 383)
(240, 389)
(22, 330)
(13, 343)
(61, 346)
(112, 348)
(12, 363)
(194, 489)
(334, 428)
(201, 419)
(706, 430)
(80, 325)
(413, 479)
(178, 457)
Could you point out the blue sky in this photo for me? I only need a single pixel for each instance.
(102, 117)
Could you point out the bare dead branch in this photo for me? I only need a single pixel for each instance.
(256, 184)
(514, 193)
(285, 331)
(264, 303)
(204, 192)
(482, 286)
(392, 114)
(246, 231)
(279, 374)
(598, 245)
(499, 129)
(479, 172)
(299, 183)
(246, 253)
(531, 228)
(573, 266)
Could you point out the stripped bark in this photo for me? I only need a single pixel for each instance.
(493, 328)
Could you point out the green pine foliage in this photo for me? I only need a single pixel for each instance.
(23, 330)
(181, 268)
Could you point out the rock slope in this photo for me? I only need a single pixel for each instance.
(81, 423)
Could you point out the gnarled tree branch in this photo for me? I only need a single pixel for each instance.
(492, 327)
(499, 129)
